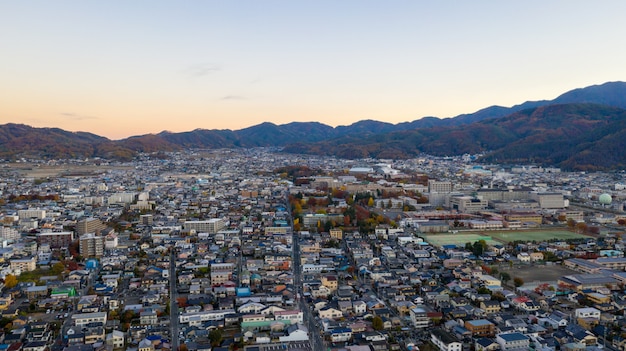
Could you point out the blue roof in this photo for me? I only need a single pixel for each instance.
(513, 337)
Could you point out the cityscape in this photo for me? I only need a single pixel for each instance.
(312, 175)
(253, 249)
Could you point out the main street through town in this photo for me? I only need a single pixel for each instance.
(309, 319)
(173, 303)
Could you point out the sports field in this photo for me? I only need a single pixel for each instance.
(457, 239)
(534, 235)
(498, 237)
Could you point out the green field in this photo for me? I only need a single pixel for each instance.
(534, 235)
(498, 237)
(457, 239)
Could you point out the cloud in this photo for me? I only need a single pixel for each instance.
(233, 97)
(77, 117)
(200, 70)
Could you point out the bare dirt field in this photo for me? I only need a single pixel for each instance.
(530, 273)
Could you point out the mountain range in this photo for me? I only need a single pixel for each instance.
(583, 129)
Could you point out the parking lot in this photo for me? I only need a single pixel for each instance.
(292, 346)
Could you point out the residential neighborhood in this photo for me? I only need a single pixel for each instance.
(258, 250)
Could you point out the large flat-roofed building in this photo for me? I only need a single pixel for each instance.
(524, 217)
(25, 264)
(504, 194)
(467, 204)
(439, 186)
(550, 200)
(31, 213)
(588, 281)
(211, 226)
(89, 225)
(82, 319)
(91, 245)
(56, 240)
(480, 327)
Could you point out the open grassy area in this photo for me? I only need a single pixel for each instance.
(457, 239)
(499, 237)
(533, 235)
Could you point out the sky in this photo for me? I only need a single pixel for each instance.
(119, 68)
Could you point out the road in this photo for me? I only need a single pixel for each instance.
(315, 338)
(173, 304)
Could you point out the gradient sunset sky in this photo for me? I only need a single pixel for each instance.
(122, 68)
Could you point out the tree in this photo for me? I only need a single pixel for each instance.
(478, 248)
(10, 281)
(58, 268)
(377, 323)
(505, 277)
(215, 336)
(370, 202)
(483, 290)
(517, 281)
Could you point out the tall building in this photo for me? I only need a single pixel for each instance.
(91, 245)
(89, 225)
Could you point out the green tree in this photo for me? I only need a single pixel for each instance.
(377, 323)
(505, 277)
(478, 248)
(215, 336)
(58, 268)
(483, 290)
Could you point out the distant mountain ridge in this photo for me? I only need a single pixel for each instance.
(467, 133)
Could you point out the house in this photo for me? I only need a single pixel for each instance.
(115, 339)
(523, 257)
(295, 332)
(490, 306)
(148, 318)
(340, 334)
(35, 346)
(145, 345)
(513, 341)
(485, 344)
(445, 341)
(329, 313)
(587, 312)
(359, 307)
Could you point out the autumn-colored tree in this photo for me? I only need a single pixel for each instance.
(370, 202)
(10, 281)
(517, 281)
